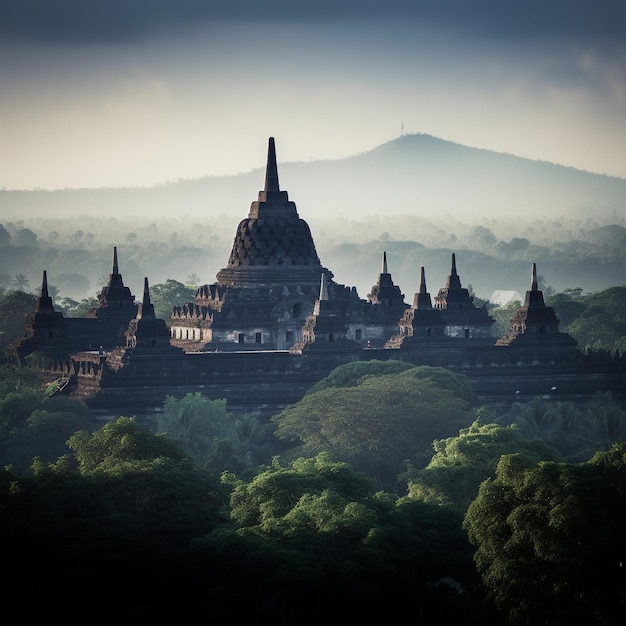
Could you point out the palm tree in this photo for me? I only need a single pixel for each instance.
(53, 292)
(608, 420)
(249, 433)
(193, 280)
(570, 435)
(20, 282)
(536, 420)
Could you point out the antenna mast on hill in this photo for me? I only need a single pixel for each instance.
(402, 130)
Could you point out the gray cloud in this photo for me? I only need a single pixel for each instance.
(129, 20)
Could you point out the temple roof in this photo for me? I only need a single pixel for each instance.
(385, 291)
(115, 298)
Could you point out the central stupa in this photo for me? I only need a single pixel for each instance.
(262, 297)
(272, 245)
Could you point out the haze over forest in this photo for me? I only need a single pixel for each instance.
(416, 197)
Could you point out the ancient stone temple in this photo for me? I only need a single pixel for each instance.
(274, 322)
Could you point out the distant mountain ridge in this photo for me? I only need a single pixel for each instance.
(415, 174)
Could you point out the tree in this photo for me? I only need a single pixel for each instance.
(327, 548)
(198, 424)
(193, 280)
(568, 305)
(130, 486)
(483, 238)
(32, 425)
(73, 282)
(550, 543)
(165, 296)
(351, 374)
(607, 421)
(24, 237)
(118, 441)
(274, 493)
(382, 422)
(20, 282)
(536, 420)
(460, 464)
(15, 307)
(5, 237)
(575, 431)
(502, 315)
(83, 307)
(597, 320)
(251, 440)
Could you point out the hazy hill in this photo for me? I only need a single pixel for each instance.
(414, 174)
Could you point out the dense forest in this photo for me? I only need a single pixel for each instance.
(491, 254)
(386, 492)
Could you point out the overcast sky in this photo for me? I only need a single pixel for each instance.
(139, 92)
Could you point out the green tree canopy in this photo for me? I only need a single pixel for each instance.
(576, 430)
(33, 425)
(324, 543)
(147, 483)
(165, 296)
(350, 374)
(203, 428)
(119, 441)
(597, 320)
(15, 307)
(460, 464)
(549, 537)
(383, 421)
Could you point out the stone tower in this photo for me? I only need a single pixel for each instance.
(273, 245)
(115, 301)
(419, 323)
(45, 330)
(146, 330)
(535, 326)
(462, 317)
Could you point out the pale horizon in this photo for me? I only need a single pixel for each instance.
(182, 93)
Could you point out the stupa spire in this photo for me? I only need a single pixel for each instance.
(44, 285)
(384, 267)
(44, 302)
(534, 296)
(421, 300)
(115, 265)
(146, 308)
(454, 282)
(533, 278)
(271, 169)
(422, 280)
